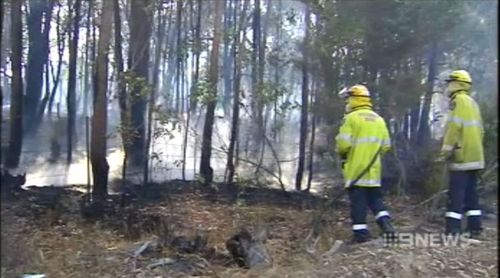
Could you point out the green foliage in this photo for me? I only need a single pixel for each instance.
(490, 122)
(204, 92)
(271, 92)
(139, 87)
(167, 122)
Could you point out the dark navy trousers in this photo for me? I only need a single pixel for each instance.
(362, 198)
(463, 199)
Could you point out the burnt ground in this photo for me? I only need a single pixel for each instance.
(44, 232)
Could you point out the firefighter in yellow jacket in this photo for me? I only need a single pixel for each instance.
(363, 138)
(463, 150)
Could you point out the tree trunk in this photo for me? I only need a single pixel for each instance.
(152, 97)
(41, 108)
(277, 69)
(140, 34)
(16, 106)
(304, 106)
(313, 135)
(197, 53)
(100, 167)
(261, 120)
(226, 64)
(179, 50)
(171, 62)
(191, 89)
(198, 46)
(256, 88)
(238, 48)
(423, 133)
(37, 57)
(206, 170)
(60, 52)
(87, 72)
(125, 129)
(1, 87)
(71, 98)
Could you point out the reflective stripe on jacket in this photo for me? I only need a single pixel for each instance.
(464, 134)
(361, 135)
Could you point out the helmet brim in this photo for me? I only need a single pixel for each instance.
(450, 79)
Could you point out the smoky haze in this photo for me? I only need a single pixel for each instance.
(281, 51)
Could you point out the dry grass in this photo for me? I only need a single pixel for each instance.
(75, 248)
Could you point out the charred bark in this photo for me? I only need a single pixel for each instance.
(38, 36)
(206, 170)
(238, 49)
(1, 87)
(100, 167)
(71, 98)
(125, 129)
(16, 107)
(304, 106)
(45, 51)
(152, 97)
(140, 34)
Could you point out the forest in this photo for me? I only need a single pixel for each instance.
(180, 138)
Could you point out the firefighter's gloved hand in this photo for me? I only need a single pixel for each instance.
(440, 159)
(443, 156)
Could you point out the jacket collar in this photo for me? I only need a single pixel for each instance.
(361, 107)
(454, 94)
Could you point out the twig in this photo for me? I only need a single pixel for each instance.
(282, 185)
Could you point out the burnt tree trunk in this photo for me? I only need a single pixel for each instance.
(87, 72)
(100, 167)
(304, 106)
(16, 107)
(261, 119)
(71, 98)
(191, 91)
(125, 129)
(423, 127)
(152, 96)
(37, 57)
(313, 136)
(45, 54)
(140, 33)
(60, 52)
(206, 170)
(256, 88)
(238, 48)
(1, 87)
(178, 55)
(194, 84)
(226, 64)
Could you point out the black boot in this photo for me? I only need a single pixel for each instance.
(360, 236)
(474, 234)
(452, 227)
(385, 225)
(388, 231)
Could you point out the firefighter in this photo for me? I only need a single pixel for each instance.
(463, 150)
(363, 138)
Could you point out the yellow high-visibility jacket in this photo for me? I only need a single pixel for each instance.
(360, 137)
(463, 139)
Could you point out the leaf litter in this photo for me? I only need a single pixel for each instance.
(74, 247)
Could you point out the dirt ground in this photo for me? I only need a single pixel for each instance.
(58, 242)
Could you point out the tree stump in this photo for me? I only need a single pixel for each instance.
(249, 250)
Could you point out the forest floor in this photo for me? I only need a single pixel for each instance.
(51, 237)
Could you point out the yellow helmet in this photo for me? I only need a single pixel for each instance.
(358, 91)
(461, 76)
